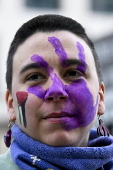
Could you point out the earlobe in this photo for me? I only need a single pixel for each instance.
(101, 105)
(10, 108)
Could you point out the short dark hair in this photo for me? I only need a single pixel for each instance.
(47, 23)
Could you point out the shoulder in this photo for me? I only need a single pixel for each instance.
(6, 162)
(109, 165)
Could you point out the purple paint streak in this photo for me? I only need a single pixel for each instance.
(81, 54)
(37, 91)
(59, 50)
(80, 47)
(80, 104)
(40, 61)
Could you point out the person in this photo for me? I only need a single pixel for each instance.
(55, 92)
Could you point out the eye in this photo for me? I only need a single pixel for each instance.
(35, 77)
(73, 74)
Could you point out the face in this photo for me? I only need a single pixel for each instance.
(55, 90)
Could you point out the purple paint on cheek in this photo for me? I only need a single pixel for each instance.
(59, 50)
(80, 104)
(37, 91)
(41, 62)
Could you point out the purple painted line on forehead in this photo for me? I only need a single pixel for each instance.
(80, 48)
(59, 50)
(81, 55)
(38, 59)
(42, 63)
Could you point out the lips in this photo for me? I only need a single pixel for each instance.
(66, 120)
(59, 115)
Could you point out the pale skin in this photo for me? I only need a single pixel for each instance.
(38, 128)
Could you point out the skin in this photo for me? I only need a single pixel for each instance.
(53, 89)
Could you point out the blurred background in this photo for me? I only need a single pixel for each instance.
(95, 15)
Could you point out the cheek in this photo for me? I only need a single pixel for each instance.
(33, 104)
(37, 91)
(81, 104)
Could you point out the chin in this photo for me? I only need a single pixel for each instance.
(60, 143)
(63, 138)
(60, 140)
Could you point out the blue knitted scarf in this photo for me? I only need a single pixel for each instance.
(29, 154)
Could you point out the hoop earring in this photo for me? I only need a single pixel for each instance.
(7, 136)
(102, 130)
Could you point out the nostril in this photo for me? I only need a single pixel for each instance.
(50, 98)
(62, 97)
(55, 98)
(56, 95)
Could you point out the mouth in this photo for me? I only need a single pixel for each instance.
(59, 117)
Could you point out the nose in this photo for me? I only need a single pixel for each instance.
(56, 92)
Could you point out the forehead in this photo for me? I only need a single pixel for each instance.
(39, 44)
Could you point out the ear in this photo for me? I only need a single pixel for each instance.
(10, 108)
(101, 106)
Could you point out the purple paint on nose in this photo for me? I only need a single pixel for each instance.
(57, 90)
(59, 50)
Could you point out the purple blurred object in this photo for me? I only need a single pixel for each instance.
(102, 130)
(7, 138)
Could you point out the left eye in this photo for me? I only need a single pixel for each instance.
(73, 73)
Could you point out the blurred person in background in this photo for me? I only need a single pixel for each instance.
(55, 92)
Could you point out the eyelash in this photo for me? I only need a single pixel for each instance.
(35, 77)
(76, 72)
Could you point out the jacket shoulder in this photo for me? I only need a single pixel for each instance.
(6, 162)
(109, 165)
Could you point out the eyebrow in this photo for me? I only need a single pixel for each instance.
(29, 66)
(69, 62)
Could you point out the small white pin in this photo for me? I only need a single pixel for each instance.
(35, 158)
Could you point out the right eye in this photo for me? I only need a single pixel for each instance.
(35, 77)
